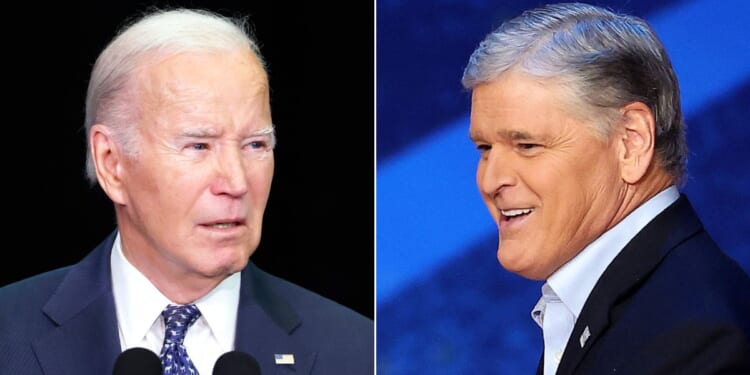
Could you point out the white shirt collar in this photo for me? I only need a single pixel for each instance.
(574, 281)
(139, 304)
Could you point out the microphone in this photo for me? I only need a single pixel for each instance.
(236, 363)
(140, 361)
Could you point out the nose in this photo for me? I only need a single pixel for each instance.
(495, 172)
(231, 174)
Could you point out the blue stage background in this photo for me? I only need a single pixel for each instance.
(444, 304)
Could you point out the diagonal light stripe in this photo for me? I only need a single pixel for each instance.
(428, 207)
(707, 41)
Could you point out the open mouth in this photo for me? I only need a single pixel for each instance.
(509, 215)
(223, 225)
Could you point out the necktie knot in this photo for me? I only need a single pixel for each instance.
(177, 319)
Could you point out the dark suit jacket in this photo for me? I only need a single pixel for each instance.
(670, 303)
(63, 322)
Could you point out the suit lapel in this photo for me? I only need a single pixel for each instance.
(628, 270)
(266, 324)
(85, 339)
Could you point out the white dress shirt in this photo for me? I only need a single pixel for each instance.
(566, 290)
(139, 305)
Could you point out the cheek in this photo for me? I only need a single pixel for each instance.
(146, 178)
(481, 169)
(480, 174)
(600, 179)
(574, 205)
(259, 181)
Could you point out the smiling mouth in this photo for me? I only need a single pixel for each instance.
(508, 215)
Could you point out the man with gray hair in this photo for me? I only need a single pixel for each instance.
(180, 139)
(575, 112)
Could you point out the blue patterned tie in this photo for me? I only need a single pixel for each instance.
(174, 357)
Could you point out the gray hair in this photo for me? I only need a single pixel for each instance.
(603, 59)
(111, 99)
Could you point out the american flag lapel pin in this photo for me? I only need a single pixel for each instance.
(584, 336)
(284, 359)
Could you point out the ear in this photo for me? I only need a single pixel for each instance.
(637, 141)
(108, 158)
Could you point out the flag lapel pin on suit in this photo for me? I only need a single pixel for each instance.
(284, 359)
(584, 336)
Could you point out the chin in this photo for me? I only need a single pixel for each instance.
(517, 260)
(227, 264)
(221, 271)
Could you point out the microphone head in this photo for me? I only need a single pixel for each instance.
(236, 363)
(139, 361)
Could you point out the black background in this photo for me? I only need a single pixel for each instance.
(319, 224)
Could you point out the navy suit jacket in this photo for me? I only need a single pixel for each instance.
(670, 303)
(64, 322)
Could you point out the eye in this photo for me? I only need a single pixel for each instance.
(529, 149)
(258, 145)
(483, 149)
(258, 148)
(198, 146)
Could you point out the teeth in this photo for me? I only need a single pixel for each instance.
(512, 213)
(223, 225)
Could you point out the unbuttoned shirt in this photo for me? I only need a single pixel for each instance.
(566, 290)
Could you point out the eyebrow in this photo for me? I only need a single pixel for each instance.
(518, 135)
(210, 132)
(514, 135)
(268, 130)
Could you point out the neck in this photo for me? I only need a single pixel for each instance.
(175, 282)
(643, 190)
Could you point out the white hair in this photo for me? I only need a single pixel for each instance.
(110, 98)
(604, 60)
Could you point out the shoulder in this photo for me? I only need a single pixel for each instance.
(342, 338)
(21, 302)
(693, 310)
(681, 271)
(698, 270)
(690, 311)
(32, 290)
(309, 304)
(695, 295)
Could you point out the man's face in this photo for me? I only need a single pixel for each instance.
(195, 193)
(549, 182)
